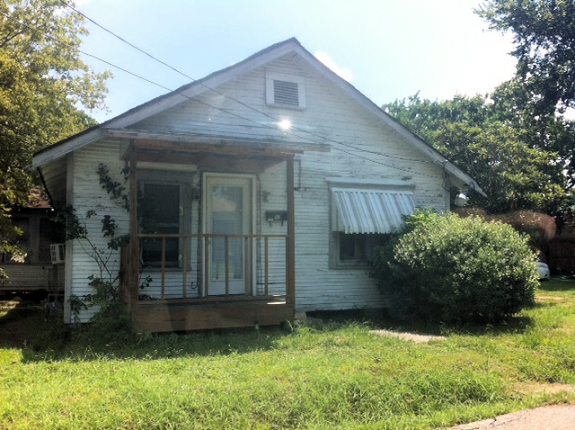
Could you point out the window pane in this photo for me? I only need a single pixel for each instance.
(359, 247)
(165, 201)
(162, 210)
(351, 246)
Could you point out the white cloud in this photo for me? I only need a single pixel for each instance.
(343, 72)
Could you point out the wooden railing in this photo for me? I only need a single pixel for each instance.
(194, 258)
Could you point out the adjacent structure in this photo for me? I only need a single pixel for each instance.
(33, 268)
(254, 192)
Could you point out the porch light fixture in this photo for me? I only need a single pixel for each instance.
(285, 124)
(461, 198)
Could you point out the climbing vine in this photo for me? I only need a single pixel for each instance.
(111, 320)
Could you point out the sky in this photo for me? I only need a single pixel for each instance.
(387, 49)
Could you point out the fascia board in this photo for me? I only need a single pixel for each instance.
(59, 150)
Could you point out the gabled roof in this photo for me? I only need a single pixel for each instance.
(215, 79)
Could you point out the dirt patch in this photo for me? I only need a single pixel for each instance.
(415, 337)
(550, 298)
(525, 388)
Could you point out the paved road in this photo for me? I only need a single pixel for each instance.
(558, 417)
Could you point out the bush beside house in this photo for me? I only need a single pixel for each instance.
(456, 270)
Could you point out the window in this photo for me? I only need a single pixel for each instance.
(358, 248)
(285, 91)
(160, 211)
(363, 214)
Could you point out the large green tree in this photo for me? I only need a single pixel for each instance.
(544, 39)
(514, 161)
(544, 86)
(45, 88)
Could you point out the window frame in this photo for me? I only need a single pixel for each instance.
(371, 239)
(185, 185)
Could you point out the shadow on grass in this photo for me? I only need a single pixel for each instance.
(558, 285)
(24, 326)
(21, 319)
(515, 324)
(41, 339)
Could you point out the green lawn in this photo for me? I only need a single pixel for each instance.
(337, 376)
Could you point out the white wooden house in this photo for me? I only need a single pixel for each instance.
(270, 181)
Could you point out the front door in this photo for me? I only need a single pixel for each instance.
(228, 214)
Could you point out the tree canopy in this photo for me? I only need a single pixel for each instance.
(515, 161)
(44, 89)
(544, 38)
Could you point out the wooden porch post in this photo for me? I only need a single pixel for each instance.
(290, 247)
(133, 259)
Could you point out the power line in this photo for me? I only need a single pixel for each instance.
(323, 138)
(83, 52)
(125, 41)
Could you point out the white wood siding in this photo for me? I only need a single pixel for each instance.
(85, 195)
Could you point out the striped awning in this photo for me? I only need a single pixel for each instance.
(370, 210)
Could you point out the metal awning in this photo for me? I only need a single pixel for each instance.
(370, 210)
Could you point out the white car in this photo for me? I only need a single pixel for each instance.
(543, 270)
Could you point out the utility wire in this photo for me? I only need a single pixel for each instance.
(125, 41)
(323, 138)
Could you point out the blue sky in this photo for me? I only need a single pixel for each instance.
(388, 49)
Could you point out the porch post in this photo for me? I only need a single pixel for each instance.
(133, 259)
(290, 247)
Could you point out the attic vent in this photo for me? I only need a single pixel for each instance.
(286, 93)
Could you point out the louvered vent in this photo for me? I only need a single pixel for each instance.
(286, 93)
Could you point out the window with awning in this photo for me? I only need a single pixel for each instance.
(370, 210)
(363, 218)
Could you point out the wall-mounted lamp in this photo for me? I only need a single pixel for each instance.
(461, 198)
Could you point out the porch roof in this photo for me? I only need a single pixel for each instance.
(210, 151)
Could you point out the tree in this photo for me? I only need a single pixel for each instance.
(544, 38)
(496, 146)
(517, 108)
(44, 87)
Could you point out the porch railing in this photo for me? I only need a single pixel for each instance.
(264, 261)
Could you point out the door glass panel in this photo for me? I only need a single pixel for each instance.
(227, 217)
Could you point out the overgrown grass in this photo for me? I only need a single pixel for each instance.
(337, 376)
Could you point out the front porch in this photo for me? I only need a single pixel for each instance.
(211, 274)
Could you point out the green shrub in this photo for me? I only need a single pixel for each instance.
(456, 270)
